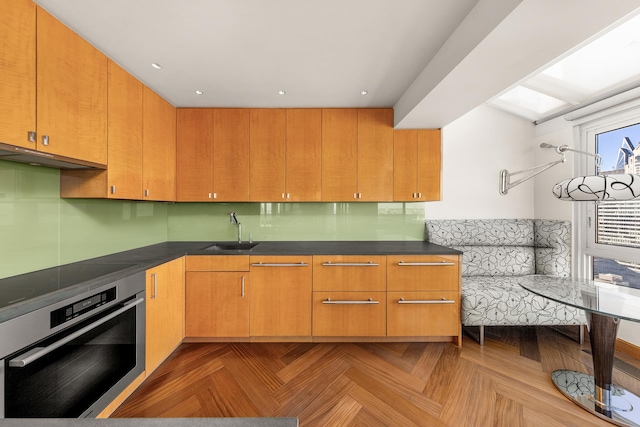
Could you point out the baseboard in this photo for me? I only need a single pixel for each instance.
(627, 348)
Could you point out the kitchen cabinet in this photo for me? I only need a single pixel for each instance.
(71, 93)
(349, 295)
(123, 177)
(424, 296)
(158, 148)
(357, 155)
(303, 165)
(417, 165)
(217, 296)
(165, 311)
(212, 154)
(267, 155)
(18, 72)
(280, 296)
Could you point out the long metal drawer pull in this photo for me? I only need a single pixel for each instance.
(297, 264)
(369, 301)
(350, 264)
(38, 352)
(415, 264)
(426, 301)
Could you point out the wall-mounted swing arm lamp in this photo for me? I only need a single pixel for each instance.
(505, 183)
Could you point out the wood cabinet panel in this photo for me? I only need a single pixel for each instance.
(231, 144)
(165, 314)
(375, 155)
(267, 155)
(423, 313)
(71, 93)
(349, 314)
(217, 304)
(124, 127)
(217, 263)
(429, 164)
(423, 272)
(349, 273)
(159, 148)
(17, 72)
(194, 156)
(303, 155)
(417, 165)
(339, 154)
(280, 296)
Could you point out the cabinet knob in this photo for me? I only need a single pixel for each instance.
(113, 189)
(31, 136)
(45, 139)
(146, 193)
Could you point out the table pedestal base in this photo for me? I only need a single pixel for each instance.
(623, 408)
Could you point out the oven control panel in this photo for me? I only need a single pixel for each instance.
(71, 311)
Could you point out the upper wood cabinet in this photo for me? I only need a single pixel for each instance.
(375, 155)
(71, 93)
(417, 165)
(357, 155)
(123, 177)
(17, 72)
(267, 155)
(303, 169)
(212, 154)
(159, 148)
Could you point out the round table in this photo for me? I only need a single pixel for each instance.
(604, 305)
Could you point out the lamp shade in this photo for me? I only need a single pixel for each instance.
(599, 187)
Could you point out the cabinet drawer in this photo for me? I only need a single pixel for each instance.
(423, 314)
(349, 314)
(423, 272)
(217, 263)
(349, 273)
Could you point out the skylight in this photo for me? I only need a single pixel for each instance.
(605, 64)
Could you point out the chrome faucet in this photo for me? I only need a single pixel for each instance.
(234, 220)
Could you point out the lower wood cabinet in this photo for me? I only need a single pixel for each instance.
(165, 312)
(217, 296)
(423, 314)
(280, 296)
(349, 314)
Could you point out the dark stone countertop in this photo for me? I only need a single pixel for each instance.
(127, 263)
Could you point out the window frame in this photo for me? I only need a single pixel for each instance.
(584, 212)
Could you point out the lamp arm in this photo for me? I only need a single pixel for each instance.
(505, 176)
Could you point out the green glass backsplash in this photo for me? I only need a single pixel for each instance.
(297, 221)
(38, 229)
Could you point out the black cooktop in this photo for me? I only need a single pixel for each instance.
(21, 288)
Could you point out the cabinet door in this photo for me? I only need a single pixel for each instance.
(423, 314)
(164, 311)
(194, 157)
(405, 165)
(231, 155)
(71, 93)
(217, 304)
(349, 273)
(280, 296)
(339, 154)
(17, 72)
(124, 126)
(217, 263)
(429, 164)
(375, 155)
(304, 155)
(267, 155)
(423, 272)
(349, 314)
(159, 148)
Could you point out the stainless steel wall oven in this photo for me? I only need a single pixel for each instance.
(71, 359)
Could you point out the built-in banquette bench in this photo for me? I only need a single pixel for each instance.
(495, 253)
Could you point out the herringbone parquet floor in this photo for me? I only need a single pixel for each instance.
(504, 383)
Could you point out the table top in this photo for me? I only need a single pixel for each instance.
(594, 297)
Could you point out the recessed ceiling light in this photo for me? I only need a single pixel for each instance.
(156, 66)
(199, 92)
(281, 92)
(363, 92)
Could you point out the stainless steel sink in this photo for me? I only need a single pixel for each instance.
(231, 246)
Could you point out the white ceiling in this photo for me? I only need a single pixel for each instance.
(432, 60)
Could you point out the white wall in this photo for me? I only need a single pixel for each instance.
(474, 150)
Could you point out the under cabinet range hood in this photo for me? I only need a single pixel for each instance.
(39, 158)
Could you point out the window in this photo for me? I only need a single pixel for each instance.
(611, 249)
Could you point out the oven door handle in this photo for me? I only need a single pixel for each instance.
(38, 352)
